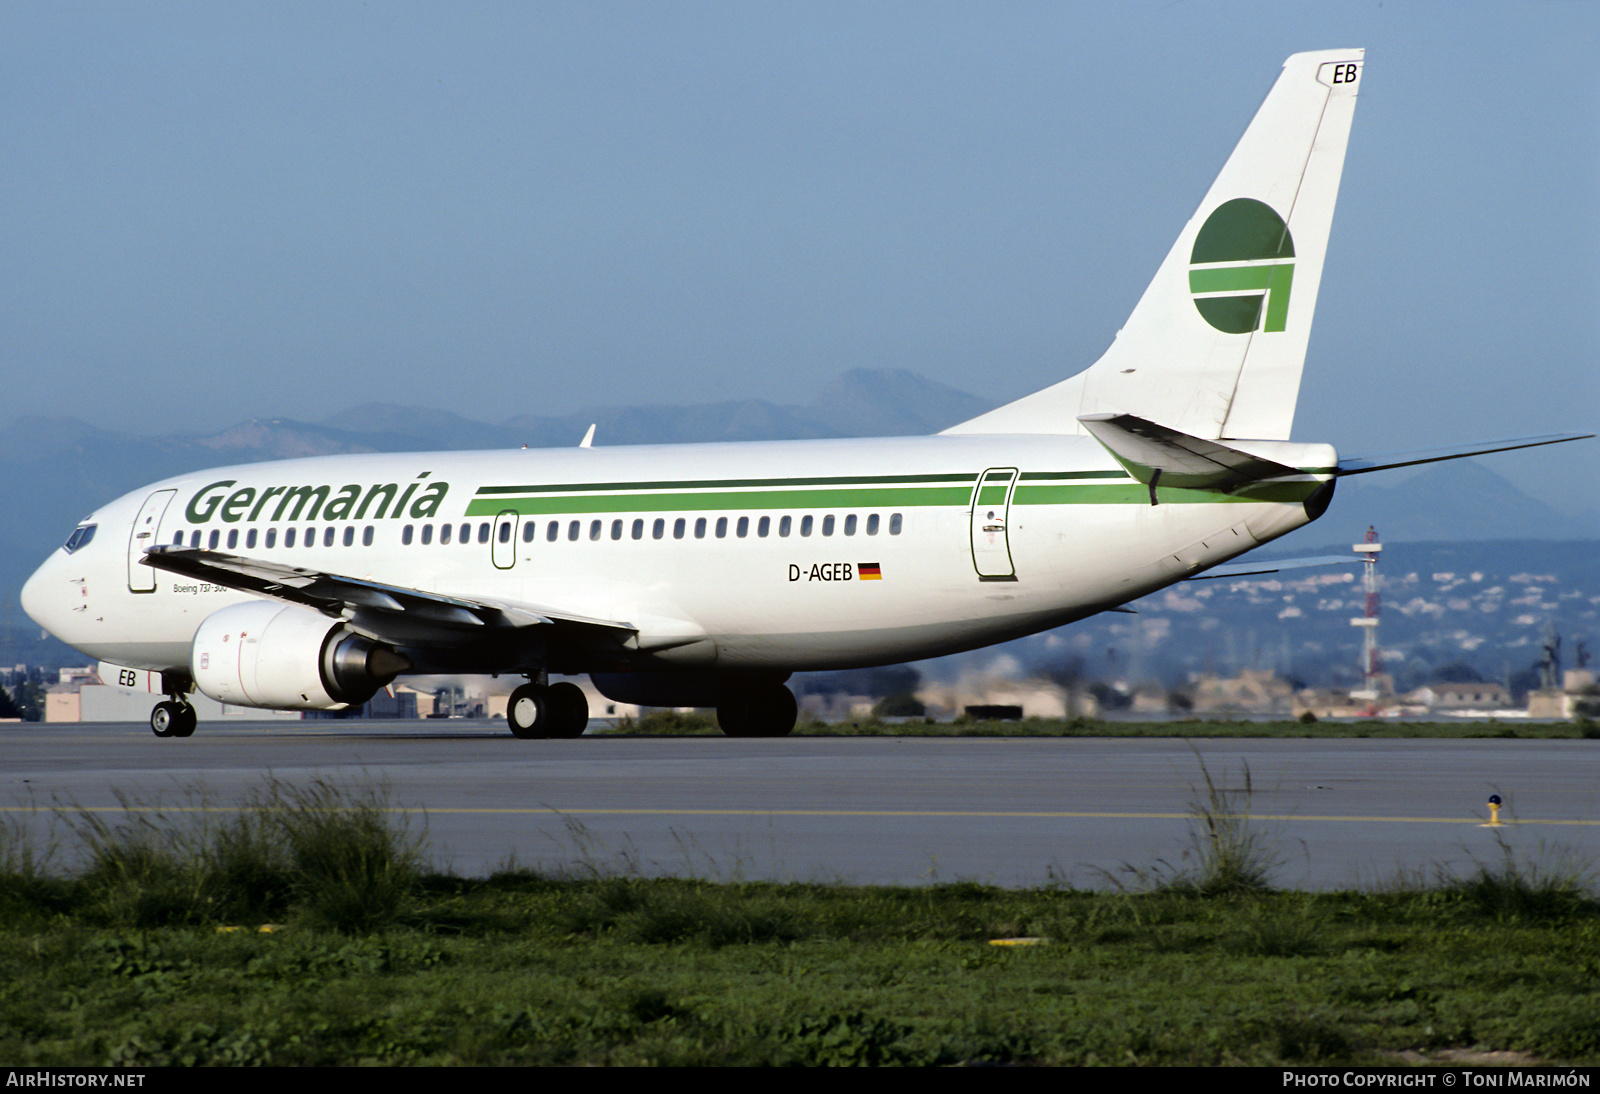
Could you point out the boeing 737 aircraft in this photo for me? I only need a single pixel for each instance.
(705, 574)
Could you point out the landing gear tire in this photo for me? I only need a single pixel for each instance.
(763, 712)
(535, 712)
(568, 710)
(527, 712)
(173, 719)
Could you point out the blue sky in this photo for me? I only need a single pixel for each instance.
(217, 212)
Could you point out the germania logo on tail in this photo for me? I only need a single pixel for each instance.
(1243, 259)
(703, 575)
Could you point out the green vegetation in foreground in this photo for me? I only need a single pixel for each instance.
(671, 723)
(151, 954)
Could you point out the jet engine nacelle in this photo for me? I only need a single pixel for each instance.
(280, 657)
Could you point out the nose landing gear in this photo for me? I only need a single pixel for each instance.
(173, 718)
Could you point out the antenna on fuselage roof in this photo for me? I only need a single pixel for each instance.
(588, 438)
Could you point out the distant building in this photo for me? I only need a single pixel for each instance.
(1253, 691)
(1036, 698)
(1578, 686)
(1329, 703)
(1470, 696)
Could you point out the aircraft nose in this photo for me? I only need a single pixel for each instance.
(43, 595)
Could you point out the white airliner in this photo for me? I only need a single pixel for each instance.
(706, 574)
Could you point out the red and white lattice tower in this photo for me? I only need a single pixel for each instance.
(1369, 621)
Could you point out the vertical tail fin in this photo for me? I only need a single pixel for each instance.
(1215, 346)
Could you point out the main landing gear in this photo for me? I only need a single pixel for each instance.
(556, 710)
(173, 718)
(766, 711)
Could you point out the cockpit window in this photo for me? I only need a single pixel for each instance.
(81, 535)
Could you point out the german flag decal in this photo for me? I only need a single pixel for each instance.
(868, 571)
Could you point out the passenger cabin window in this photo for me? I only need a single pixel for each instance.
(427, 534)
(805, 525)
(827, 525)
(405, 535)
(288, 537)
(552, 532)
(529, 530)
(505, 532)
(233, 538)
(850, 525)
(699, 528)
(784, 524)
(444, 532)
(272, 538)
(350, 535)
(215, 538)
(743, 529)
(894, 525)
(483, 532)
(194, 538)
(722, 527)
(250, 540)
(678, 528)
(594, 529)
(327, 536)
(658, 529)
(572, 530)
(638, 529)
(872, 525)
(366, 536)
(616, 529)
(763, 527)
(177, 541)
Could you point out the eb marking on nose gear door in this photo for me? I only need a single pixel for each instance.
(991, 509)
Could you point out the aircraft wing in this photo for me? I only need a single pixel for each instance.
(388, 612)
(1360, 465)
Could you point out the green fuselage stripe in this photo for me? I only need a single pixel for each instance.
(599, 499)
(728, 484)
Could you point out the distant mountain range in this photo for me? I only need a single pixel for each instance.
(58, 470)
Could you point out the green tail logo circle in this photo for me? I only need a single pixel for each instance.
(1242, 268)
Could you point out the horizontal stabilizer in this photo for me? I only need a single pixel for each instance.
(1248, 569)
(1154, 454)
(1360, 465)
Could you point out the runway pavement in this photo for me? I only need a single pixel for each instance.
(909, 810)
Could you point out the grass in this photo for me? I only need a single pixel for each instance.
(1228, 854)
(323, 855)
(128, 959)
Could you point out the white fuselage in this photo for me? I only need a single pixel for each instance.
(750, 555)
